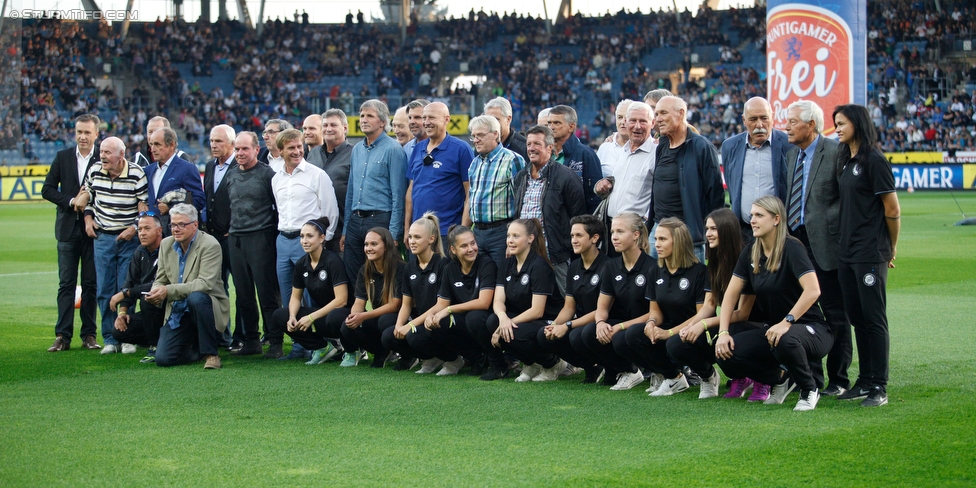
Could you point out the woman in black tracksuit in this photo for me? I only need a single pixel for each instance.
(467, 287)
(777, 269)
(522, 303)
(564, 336)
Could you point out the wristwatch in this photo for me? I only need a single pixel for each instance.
(569, 325)
(790, 318)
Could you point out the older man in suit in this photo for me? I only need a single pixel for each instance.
(63, 187)
(813, 217)
(188, 282)
(172, 179)
(755, 161)
(218, 200)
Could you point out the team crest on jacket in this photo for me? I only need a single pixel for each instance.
(594, 280)
(640, 280)
(525, 279)
(870, 279)
(323, 275)
(432, 278)
(683, 284)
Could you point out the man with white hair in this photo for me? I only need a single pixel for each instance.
(492, 191)
(755, 162)
(401, 126)
(687, 180)
(613, 147)
(633, 172)
(218, 199)
(117, 193)
(188, 283)
(813, 217)
(501, 109)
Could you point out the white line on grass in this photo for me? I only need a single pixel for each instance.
(27, 274)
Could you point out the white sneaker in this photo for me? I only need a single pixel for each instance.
(709, 386)
(529, 372)
(451, 368)
(656, 380)
(626, 381)
(570, 370)
(779, 392)
(430, 365)
(128, 348)
(670, 387)
(808, 403)
(553, 373)
(110, 349)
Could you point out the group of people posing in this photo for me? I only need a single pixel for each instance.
(527, 255)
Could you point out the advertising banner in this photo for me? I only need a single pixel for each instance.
(815, 50)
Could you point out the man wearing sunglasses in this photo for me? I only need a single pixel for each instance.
(438, 173)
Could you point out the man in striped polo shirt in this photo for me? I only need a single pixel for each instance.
(117, 191)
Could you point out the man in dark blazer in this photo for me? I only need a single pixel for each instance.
(218, 200)
(188, 282)
(813, 217)
(755, 162)
(63, 187)
(170, 174)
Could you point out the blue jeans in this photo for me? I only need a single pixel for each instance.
(356, 230)
(289, 252)
(111, 268)
(492, 243)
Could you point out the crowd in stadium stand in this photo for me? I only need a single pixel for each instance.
(906, 48)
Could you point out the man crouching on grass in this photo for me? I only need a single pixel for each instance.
(188, 282)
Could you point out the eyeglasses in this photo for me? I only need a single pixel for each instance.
(428, 160)
(270, 132)
(180, 225)
(479, 137)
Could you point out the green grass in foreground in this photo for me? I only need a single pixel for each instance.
(78, 418)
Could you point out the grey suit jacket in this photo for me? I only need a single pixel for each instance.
(201, 273)
(822, 216)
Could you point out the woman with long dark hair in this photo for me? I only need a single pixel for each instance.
(378, 285)
(778, 270)
(869, 228)
(694, 345)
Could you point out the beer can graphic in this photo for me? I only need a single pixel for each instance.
(815, 51)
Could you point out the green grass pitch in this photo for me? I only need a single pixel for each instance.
(80, 419)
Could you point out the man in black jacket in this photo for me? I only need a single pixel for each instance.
(501, 109)
(552, 193)
(141, 328)
(63, 187)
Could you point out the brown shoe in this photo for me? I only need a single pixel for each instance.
(60, 344)
(89, 343)
(213, 362)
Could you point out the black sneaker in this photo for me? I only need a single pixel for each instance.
(833, 390)
(236, 346)
(856, 393)
(274, 352)
(593, 375)
(691, 376)
(495, 374)
(405, 363)
(876, 398)
(250, 348)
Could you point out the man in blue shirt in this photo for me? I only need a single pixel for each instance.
(377, 184)
(438, 173)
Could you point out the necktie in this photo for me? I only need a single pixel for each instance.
(796, 191)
